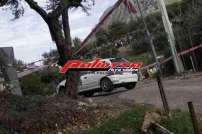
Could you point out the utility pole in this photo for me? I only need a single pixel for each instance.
(158, 77)
(171, 38)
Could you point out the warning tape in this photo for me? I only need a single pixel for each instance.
(171, 57)
(189, 50)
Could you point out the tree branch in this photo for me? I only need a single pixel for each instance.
(61, 7)
(3, 2)
(66, 29)
(34, 5)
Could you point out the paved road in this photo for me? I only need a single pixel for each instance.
(178, 90)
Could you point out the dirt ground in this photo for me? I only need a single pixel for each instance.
(38, 114)
(179, 90)
(50, 115)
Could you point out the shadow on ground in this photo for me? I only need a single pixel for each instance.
(116, 91)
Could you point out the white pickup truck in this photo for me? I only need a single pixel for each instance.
(94, 81)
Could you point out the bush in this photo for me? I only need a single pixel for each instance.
(32, 85)
(51, 75)
(41, 83)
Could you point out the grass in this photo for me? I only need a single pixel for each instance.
(180, 123)
(131, 122)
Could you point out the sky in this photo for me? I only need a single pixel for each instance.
(30, 37)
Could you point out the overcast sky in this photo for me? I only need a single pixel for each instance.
(30, 36)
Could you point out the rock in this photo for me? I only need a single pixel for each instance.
(90, 100)
(149, 119)
(80, 103)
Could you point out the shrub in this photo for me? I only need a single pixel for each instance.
(32, 85)
(51, 75)
(41, 83)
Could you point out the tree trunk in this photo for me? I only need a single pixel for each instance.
(64, 50)
(72, 80)
(67, 34)
(72, 77)
(57, 35)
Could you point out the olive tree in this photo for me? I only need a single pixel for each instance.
(56, 16)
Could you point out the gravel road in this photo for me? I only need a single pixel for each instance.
(179, 91)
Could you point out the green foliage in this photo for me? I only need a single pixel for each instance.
(186, 19)
(117, 30)
(187, 28)
(180, 123)
(105, 52)
(131, 122)
(140, 42)
(105, 39)
(144, 57)
(32, 85)
(51, 75)
(42, 83)
(76, 42)
(102, 37)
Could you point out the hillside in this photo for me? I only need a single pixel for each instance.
(121, 14)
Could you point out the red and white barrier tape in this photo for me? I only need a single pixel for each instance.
(171, 57)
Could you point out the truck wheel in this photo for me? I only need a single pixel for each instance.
(130, 86)
(106, 85)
